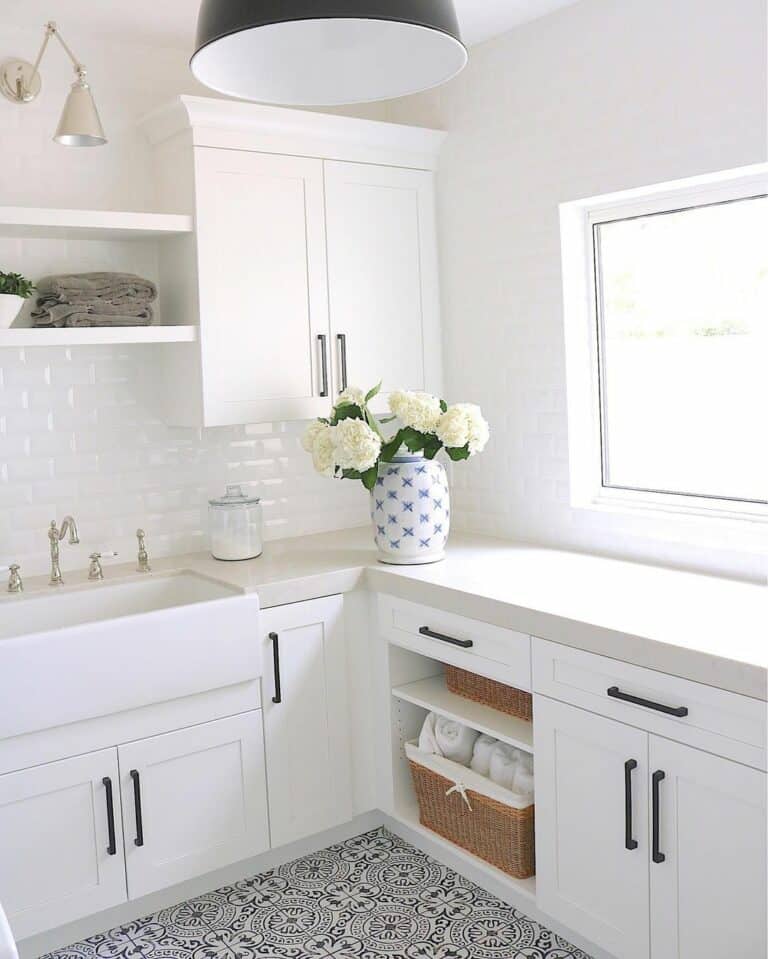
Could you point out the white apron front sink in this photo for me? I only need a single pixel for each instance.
(101, 648)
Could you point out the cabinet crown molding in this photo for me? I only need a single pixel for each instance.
(211, 122)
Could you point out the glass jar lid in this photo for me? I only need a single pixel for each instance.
(234, 497)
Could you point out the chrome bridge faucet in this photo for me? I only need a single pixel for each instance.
(55, 536)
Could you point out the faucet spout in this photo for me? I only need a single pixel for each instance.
(55, 536)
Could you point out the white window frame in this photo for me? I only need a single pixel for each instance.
(577, 220)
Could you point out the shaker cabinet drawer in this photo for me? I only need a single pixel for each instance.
(502, 654)
(712, 719)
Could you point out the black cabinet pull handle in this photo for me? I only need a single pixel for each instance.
(342, 340)
(112, 847)
(629, 842)
(657, 777)
(616, 693)
(278, 697)
(139, 840)
(464, 643)
(323, 341)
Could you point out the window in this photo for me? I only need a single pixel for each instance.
(666, 296)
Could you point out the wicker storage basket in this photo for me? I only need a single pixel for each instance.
(491, 693)
(499, 826)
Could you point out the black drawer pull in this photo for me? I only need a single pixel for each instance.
(464, 643)
(629, 842)
(342, 338)
(112, 847)
(139, 840)
(657, 777)
(278, 697)
(323, 341)
(616, 693)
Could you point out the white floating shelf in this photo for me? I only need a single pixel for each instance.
(408, 815)
(434, 695)
(96, 335)
(40, 223)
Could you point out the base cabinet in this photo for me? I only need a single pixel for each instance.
(193, 800)
(306, 718)
(61, 842)
(661, 859)
(708, 896)
(587, 874)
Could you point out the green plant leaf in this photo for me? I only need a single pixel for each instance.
(458, 453)
(370, 419)
(374, 392)
(443, 406)
(351, 474)
(389, 449)
(369, 477)
(432, 446)
(383, 420)
(347, 411)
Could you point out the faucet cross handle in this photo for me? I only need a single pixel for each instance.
(94, 570)
(142, 564)
(15, 584)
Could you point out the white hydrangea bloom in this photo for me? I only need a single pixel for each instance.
(479, 431)
(357, 446)
(464, 425)
(453, 428)
(324, 450)
(312, 431)
(352, 394)
(421, 411)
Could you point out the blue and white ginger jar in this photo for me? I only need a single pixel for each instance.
(411, 511)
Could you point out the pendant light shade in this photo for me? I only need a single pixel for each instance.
(80, 125)
(316, 53)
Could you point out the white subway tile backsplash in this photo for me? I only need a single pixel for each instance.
(75, 437)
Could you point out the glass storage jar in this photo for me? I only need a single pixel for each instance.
(235, 525)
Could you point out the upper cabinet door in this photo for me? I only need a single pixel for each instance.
(262, 287)
(708, 894)
(382, 270)
(193, 800)
(306, 718)
(592, 826)
(61, 842)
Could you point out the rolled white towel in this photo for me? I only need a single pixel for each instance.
(523, 784)
(504, 764)
(427, 739)
(481, 754)
(455, 740)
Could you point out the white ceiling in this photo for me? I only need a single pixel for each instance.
(172, 22)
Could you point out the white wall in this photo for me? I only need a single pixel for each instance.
(603, 95)
(75, 433)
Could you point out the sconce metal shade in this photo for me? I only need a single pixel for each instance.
(80, 125)
(326, 52)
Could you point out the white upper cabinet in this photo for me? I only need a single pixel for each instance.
(263, 290)
(313, 262)
(382, 276)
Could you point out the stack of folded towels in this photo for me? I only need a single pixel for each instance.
(503, 764)
(94, 299)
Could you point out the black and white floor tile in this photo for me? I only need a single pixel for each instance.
(372, 897)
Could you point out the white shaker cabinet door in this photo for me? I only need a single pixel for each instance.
(306, 718)
(382, 276)
(193, 800)
(262, 287)
(592, 826)
(708, 889)
(61, 842)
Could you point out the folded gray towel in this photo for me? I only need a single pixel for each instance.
(97, 285)
(94, 299)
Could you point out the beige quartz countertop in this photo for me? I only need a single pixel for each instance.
(703, 628)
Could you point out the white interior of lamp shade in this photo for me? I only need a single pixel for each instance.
(329, 62)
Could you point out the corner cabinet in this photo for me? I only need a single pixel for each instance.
(313, 264)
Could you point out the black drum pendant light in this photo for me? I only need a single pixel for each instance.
(326, 52)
